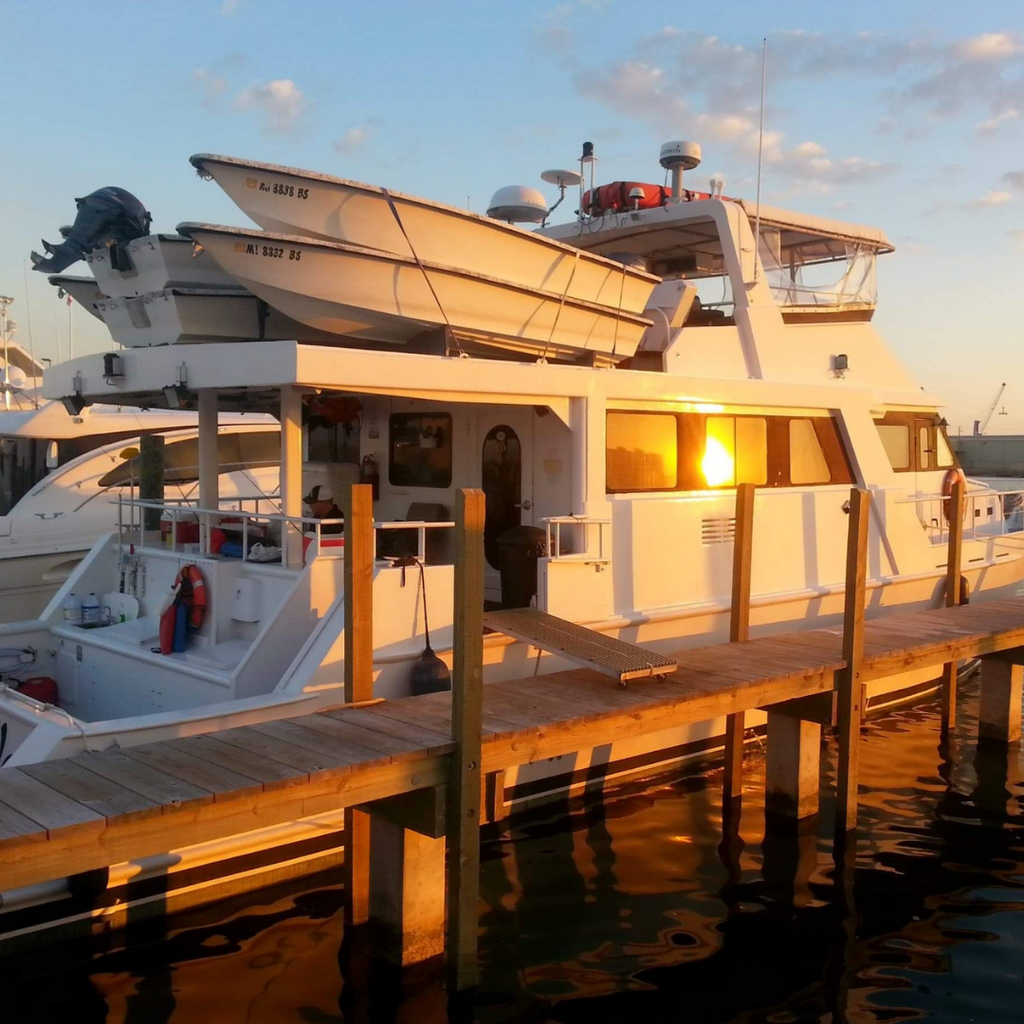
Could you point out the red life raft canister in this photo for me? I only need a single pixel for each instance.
(41, 688)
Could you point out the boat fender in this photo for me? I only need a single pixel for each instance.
(41, 688)
(193, 593)
(947, 489)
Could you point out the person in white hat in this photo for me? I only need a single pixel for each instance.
(321, 503)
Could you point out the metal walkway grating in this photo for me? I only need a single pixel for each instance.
(582, 646)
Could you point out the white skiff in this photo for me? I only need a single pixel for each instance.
(297, 202)
(365, 293)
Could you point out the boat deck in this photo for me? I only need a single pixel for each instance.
(96, 809)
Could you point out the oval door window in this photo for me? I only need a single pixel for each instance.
(501, 475)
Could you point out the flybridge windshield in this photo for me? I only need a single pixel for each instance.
(839, 274)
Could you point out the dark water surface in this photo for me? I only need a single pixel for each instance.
(634, 908)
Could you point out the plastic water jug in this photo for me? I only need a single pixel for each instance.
(90, 610)
(72, 610)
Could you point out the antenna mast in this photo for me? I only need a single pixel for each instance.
(760, 151)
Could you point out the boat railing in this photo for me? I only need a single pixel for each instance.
(553, 547)
(986, 513)
(227, 519)
(419, 525)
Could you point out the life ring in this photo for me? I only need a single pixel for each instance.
(193, 593)
(947, 489)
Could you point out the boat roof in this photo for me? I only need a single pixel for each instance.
(805, 229)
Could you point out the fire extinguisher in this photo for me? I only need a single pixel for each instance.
(370, 474)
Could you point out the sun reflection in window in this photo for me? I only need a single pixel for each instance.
(717, 464)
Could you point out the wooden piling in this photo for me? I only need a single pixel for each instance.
(851, 698)
(467, 705)
(793, 766)
(151, 477)
(358, 511)
(999, 712)
(739, 630)
(953, 558)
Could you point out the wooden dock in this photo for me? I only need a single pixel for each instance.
(69, 816)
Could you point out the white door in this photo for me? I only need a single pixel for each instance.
(505, 437)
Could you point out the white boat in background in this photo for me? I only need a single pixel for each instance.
(296, 202)
(181, 315)
(153, 263)
(84, 290)
(366, 293)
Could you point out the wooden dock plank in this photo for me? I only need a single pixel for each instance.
(207, 775)
(348, 727)
(50, 809)
(155, 785)
(91, 790)
(249, 754)
(331, 750)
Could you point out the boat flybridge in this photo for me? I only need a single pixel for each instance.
(620, 442)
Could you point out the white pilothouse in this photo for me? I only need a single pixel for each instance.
(751, 370)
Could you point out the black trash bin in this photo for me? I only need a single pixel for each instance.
(518, 551)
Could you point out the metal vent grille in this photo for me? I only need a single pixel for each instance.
(718, 530)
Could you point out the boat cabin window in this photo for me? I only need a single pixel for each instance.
(235, 451)
(642, 451)
(915, 443)
(699, 452)
(420, 452)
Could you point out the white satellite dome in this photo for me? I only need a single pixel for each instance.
(518, 204)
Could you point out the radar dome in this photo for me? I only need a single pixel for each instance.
(518, 204)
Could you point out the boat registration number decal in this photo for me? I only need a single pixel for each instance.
(273, 252)
(279, 188)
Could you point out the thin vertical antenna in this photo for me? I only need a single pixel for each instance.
(31, 342)
(760, 150)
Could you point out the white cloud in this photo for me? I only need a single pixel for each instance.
(281, 102)
(989, 199)
(1015, 179)
(356, 137)
(211, 84)
(991, 125)
(988, 46)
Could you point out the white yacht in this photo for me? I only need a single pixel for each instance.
(755, 369)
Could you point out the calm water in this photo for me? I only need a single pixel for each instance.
(634, 908)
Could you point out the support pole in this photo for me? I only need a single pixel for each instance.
(793, 766)
(739, 630)
(209, 463)
(999, 712)
(851, 696)
(291, 474)
(358, 509)
(467, 707)
(151, 477)
(953, 558)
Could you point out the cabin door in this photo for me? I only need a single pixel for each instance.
(506, 476)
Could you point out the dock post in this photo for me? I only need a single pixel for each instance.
(953, 558)
(467, 707)
(999, 712)
(793, 766)
(739, 630)
(851, 696)
(358, 510)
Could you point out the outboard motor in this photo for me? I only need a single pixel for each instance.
(108, 216)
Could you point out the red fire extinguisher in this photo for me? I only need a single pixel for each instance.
(370, 474)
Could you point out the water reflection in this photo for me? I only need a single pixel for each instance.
(640, 907)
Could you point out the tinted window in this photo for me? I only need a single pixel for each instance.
(896, 441)
(735, 451)
(420, 450)
(642, 451)
(943, 454)
(807, 463)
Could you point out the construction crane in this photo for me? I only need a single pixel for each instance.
(980, 426)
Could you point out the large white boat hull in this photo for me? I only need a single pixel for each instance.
(157, 262)
(181, 315)
(297, 202)
(364, 293)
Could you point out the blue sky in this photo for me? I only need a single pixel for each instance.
(904, 114)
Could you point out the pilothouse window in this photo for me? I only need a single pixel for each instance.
(641, 451)
(420, 450)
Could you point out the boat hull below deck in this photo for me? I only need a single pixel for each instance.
(295, 202)
(182, 315)
(344, 289)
